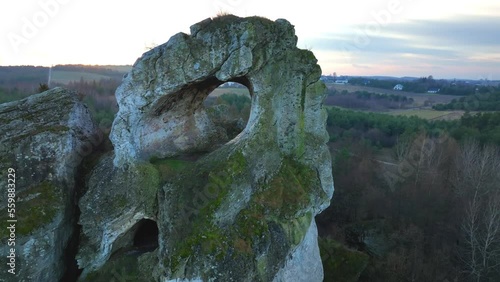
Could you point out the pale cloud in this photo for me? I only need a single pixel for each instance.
(442, 46)
(396, 37)
(463, 30)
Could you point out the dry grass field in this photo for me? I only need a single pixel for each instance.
(419, 98)
(422, 102)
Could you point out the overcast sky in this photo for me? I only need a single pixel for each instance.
(446, 39)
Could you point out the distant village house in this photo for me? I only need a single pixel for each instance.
(433, 90)
(398, 87)
(341, 81)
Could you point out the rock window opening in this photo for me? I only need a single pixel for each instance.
(229, 107)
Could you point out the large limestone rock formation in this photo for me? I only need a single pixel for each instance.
(239, 211)
(43, 138)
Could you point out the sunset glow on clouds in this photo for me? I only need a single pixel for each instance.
(393, 37)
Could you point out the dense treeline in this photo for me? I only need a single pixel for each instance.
(420, 199)
(377, 83)
(382, 130)
(99, 96)
(21, 81)
(14, 76)
(413, 218)
(16, 93)
(102, 87)
(486, 101)
(90, 69)
(484, 127)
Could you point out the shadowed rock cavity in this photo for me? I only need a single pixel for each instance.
(244, 211)
(146, 236)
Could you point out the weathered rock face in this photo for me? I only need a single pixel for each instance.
(161, 112)
(117, 199)
(245, 210)
(44, 138)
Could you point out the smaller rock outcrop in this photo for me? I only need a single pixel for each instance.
(44, 138)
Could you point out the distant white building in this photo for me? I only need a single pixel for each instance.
(341, 81)
(398, 87)
(433, 90)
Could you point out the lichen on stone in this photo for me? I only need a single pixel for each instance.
(37, 207)
(42, 137)
(236, 210)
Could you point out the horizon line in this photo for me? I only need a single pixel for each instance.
(323, 74)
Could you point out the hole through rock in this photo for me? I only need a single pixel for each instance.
(146, 235)
(229, 107)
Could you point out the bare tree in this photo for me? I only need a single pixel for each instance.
(436, 155)
(402, 147)
(425, 154)
(477, 176)
(490, 244)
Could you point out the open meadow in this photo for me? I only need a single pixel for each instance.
(421, 106)
(419, 98)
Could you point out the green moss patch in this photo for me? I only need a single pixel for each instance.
(147, 183)
(135, 187)
(203, 193)
(341, 263)
(138, 186)
(45, 201)
(252, 223)
(40, 210)
(289, 190)
(169, 167)
(270, 216)
(296, 229)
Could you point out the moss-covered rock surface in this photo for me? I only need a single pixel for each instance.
(115, 201)
(241, 210)
(43, 139)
